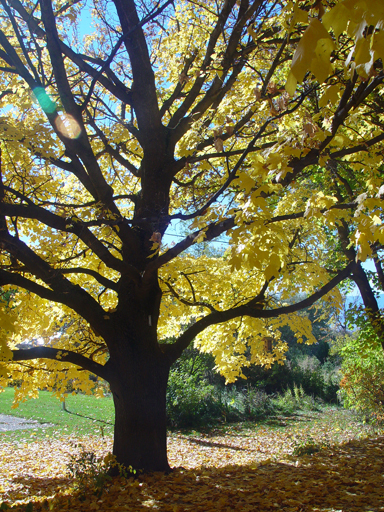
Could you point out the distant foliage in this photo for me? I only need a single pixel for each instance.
(320, 380)
(197, 395)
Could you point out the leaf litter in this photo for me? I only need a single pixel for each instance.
(292, 466)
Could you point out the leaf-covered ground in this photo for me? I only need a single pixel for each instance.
(243, 467)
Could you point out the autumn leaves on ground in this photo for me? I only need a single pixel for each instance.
(315, 461)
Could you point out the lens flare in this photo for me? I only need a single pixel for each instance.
(44, 100)
(68, 126)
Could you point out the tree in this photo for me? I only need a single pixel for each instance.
(167, 112)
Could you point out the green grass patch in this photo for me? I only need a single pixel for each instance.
(87, 415)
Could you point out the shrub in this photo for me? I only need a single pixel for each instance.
(320, 380)
(362, 383)
(191, 401)
(91, 473)
(257, 403)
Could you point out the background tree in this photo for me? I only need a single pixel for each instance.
(166, 112)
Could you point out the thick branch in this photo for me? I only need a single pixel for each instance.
(61, 355)
(143, 89)
(68, 226)
(101, 279)
(212, 231)
(356, 149)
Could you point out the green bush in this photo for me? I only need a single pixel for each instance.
(257, 403)
(362, 383)
(191, 401)
(89, 472)
(318, 380)
(197, 396)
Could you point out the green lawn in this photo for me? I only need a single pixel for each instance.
(87, 415)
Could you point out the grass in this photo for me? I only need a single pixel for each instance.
(87, 415)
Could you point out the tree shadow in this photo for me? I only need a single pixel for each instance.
(42, 482)
(284, 420)
(213, 444)
(343, 478)
(88, 417)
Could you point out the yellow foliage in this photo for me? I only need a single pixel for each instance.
(101, 160)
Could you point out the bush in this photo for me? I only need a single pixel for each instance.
(196, 395)
(362, 383)
(91, 473)
(191, 401)
(257, 403)
(318, 380)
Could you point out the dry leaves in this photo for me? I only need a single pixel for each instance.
(246, 470)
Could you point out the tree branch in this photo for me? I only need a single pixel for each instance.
(74, 226)
(185, 301)
(174, 350)
(101, 279)
(61, 355)
(212, 231)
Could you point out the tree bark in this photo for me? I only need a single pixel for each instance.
(362, 282)
(370, 302)
(139, 376)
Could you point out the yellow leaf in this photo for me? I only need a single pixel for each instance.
(291, 84)
(331, 94)
(378, 45)
(320, 64)
(273, 267)
(246, 182)
(337, 19)
(362, 51)
(305, 53)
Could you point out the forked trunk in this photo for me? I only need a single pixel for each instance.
(139, 394)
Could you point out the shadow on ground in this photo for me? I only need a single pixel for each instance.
(347, 478)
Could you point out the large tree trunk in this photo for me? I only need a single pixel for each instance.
(139, 384)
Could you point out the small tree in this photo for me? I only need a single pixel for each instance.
(172, 112)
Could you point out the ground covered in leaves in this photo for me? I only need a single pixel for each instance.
(313, 462)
